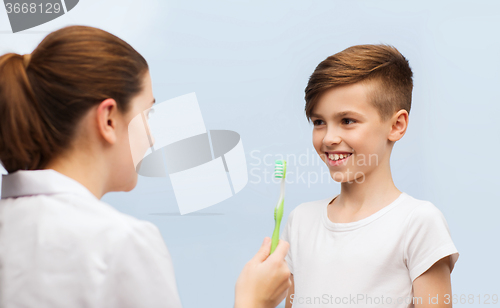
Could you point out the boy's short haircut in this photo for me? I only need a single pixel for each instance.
(382, 64)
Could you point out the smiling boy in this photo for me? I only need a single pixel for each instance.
(371, 245)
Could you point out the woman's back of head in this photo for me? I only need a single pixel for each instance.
(44, 95)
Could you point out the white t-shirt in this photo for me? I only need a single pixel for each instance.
(62, 247)
(371, 262)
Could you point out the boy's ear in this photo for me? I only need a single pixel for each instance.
(399, 123)
(106, 115)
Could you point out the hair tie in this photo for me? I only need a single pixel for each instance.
(26, 60)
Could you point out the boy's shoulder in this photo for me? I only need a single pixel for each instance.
(314, 204)
(309, 208)
(418, 208)
(422, 212)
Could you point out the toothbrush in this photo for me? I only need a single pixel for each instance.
(279, 173)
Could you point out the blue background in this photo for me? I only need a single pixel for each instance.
(249, 62)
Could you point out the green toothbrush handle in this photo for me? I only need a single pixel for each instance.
(278, 214)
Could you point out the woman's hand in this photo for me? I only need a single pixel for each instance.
(265, 279)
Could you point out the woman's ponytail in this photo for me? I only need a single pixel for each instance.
(24, 141)
(44, 95)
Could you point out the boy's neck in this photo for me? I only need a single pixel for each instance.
(374, 190)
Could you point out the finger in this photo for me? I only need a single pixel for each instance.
(281, 250)
(285, 286)
(264, 250)
(282, 296)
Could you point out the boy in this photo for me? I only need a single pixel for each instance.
(371, 245)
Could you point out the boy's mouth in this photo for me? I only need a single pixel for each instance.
(337, 159)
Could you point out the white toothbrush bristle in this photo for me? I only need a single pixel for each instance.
(279, 169)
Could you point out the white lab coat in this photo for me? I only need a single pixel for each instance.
(61, 247)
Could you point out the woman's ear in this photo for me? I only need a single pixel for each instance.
(107, 118)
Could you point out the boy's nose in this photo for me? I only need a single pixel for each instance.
(331, 137)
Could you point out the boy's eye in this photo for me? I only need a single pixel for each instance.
(354, 121)
(344, 120)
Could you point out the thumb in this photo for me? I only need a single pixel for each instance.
(264, 250)
(281, 250)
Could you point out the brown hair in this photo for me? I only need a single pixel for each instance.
(69, 72)
(383, 64)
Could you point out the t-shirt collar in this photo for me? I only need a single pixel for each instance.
(348, 226)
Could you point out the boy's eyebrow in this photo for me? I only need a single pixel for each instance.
(340, 114)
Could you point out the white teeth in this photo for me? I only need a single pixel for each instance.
(338, 156)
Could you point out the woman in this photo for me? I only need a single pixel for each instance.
(65, 111)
